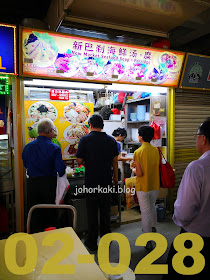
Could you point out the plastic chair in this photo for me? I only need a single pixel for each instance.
(47, 206)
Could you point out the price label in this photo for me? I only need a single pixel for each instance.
(145, 266)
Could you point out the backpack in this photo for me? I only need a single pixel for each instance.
(167, 177)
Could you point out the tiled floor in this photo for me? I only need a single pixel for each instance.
(167, 228)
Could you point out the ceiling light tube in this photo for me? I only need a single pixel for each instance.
(50, 83)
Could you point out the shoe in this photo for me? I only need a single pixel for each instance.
(154, 229)
(149, 246)
(90, 247)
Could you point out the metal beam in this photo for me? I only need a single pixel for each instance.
(56, 13)
(117, 27)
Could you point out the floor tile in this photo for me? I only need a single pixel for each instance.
(132, 231)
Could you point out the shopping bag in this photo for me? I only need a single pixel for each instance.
(62, 188)
(167, 177)
(157, 132)
(130, 196)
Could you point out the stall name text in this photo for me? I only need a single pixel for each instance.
(110, 52)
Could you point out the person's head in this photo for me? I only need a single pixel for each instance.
(46, 128)
(96, 122)
(203, 137)
(119, 134)
(146, 133)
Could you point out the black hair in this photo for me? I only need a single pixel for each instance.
(119, 131)
(205, 129)
(147, 132)
(96, 121)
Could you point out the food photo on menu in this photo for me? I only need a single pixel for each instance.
(72, 135)
(91, 67)
(41, 48)
(67, 64)
(70, 120)
(76, 113)
(42, 109)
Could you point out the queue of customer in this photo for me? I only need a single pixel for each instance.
(99, 152)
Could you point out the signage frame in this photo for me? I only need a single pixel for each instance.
(22, 74)
(183, 73)
(15, 49)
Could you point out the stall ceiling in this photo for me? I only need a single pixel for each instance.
(186, 23)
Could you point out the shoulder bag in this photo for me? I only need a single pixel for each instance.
(167, 177)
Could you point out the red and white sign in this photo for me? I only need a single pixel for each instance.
(59, 94)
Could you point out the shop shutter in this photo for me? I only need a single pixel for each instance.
(191, 109)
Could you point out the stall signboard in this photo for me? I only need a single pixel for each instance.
(8, 49)
(59, 94)
(69, 117)
(196, 72)
(79, 58)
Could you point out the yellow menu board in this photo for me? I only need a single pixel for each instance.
(69, 117)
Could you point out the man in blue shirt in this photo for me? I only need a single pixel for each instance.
(43, 160)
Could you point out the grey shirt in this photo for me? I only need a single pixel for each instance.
(192, 206)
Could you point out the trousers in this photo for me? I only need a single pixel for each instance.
(42, 190)
(147, 207)
(95, 203)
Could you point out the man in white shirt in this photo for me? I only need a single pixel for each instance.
(192, 206)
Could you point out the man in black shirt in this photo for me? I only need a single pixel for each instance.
(99, 152)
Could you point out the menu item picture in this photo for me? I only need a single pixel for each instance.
(42, 109)
(41, 48)
(67, 63)
(75, 130)
(76, 113)
(157, 75)
(71, 149)
(171, 61)
(32, 130)
(91, 67)
(114, 70)
(137, 71)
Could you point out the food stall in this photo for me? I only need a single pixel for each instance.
(8, 71)
(63, 77)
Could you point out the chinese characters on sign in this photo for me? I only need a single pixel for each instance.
(89, 59)
(59, 94)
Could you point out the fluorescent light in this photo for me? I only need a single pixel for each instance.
(63, 84)
(139, 88)
(118, 87)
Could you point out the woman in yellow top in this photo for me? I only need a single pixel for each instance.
(146, 168)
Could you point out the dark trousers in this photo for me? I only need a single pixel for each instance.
(188, 261)
(42, 190)
(95, 202)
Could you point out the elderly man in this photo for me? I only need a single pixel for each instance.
(43, 160)
(191, 209)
